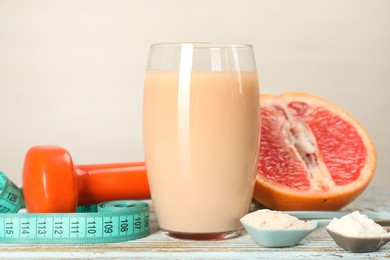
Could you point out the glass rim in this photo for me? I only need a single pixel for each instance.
(200, 45)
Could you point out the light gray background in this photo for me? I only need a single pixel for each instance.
(71, 72)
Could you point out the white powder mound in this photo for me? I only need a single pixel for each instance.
(357, 225)
(271, 219)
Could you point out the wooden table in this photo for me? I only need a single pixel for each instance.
(317, 245)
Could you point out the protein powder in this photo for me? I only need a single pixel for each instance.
(270, 219)
(357, 225)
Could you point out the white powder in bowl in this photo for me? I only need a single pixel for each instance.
(356, 225)
(271, 219)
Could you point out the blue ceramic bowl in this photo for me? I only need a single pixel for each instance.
(278, 237)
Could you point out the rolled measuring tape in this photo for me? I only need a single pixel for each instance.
(114, 221)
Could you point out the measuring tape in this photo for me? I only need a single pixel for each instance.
(114, 221)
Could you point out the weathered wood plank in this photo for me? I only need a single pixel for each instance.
(318, 244)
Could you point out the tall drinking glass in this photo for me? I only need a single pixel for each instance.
(201, 136)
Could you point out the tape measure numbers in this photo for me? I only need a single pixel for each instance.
(11, 198)
(114, 221)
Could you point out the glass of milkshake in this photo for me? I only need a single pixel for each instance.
(201, 123)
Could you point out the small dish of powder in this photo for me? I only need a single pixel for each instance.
(357, 233)
(276, 229)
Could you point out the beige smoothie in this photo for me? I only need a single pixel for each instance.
(201, 136)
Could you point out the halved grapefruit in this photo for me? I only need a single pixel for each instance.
(313, 155)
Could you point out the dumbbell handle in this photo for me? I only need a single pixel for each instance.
(95, 182)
